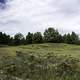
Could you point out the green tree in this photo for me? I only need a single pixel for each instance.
(4, 39)
(71, 38)
(51, 35)
(29, 38)
(68, 38)
(60, 38)
(18, 39)
(74, 38)
(37, 37)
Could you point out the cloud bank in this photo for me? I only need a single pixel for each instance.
(36, 15)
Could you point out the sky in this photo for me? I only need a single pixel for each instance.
(37, 15)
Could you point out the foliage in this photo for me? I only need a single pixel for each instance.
(71, 38)
(37, 37)
(50, 35)
(4, 38)
(18, 39)
(29, 38)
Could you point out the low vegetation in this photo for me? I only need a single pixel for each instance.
(47, 61)
(38, 67)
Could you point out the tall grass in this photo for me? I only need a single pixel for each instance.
(38, 67)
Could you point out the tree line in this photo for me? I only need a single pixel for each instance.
(50, 35)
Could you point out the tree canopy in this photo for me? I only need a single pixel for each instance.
(50, 35)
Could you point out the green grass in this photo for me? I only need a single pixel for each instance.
(48, 61)
(56, 48)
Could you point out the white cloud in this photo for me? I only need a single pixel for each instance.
(36, 15)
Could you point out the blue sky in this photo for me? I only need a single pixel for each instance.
(37, 15)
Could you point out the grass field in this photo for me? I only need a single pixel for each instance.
(55, 48)
(48, 61)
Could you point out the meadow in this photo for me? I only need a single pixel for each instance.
(47, 61)
(54, 48)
